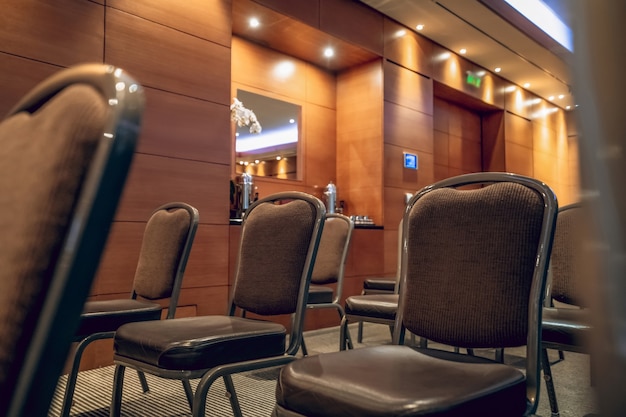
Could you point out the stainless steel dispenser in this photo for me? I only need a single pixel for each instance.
(247, 191)
(330, 195)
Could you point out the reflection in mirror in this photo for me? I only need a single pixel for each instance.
(273, 152)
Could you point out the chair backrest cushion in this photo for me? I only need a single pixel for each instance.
(470, 265)
(162, 247)
(566, 285)
(275, 240)
(330, 252)
(38, 188)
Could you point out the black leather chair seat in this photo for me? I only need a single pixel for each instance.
(320, 386)
(320, 294)
(370, 285)
(108, 315)
(564, 326)
(203, 342)
(383, 306)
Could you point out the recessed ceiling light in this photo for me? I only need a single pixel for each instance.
(463, 51)
(400, 33)
(551, 98)
(561, 96)
(329, 52)
(419, 27)
(498, 69)
(526, 85)
(568, 107)
(254, 22)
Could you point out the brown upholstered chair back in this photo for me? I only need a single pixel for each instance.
(65, 149)
(275, 254)
(165, 247)
(566, 285)
(471, 263)
(332, 251)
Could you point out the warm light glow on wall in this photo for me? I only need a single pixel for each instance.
(284, 69)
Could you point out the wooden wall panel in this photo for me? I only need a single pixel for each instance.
(407, 48)
(366, 254)
(63, 32)
(306, 11)
(518, 130)
(22, 75)
(408, 128)
(519, 159)
(206, 19)
(208, 261)
(177, 126)
(493, 142)
(155, 180)
(465, 154)
(321, 87)
(408, 88)
(396, 175)
(260, 68)
(164, 58)
(321, 146)
(360, 140)
(354, 22)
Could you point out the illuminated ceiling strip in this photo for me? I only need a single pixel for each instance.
(544, 17)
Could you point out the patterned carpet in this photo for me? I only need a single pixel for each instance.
(255, 390)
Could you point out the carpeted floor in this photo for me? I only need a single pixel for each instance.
(256, 389)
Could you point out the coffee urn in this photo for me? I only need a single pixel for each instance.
(330, 197)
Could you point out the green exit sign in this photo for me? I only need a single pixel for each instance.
(473, 79)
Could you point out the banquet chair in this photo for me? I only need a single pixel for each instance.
(280, 236)
(167, 240)
(329, 266)
(376, 285)
(65, 151)
(567, 326)
(473, 273)
(377, 307)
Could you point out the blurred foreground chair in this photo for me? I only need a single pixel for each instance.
(329, 267)
(279, 241)
(566, 327)
(474, 266)
(167, 241)
(65, 151)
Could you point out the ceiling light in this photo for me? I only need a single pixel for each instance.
(498, 69)
(551, 98)
(463, 51)
(329, 52)
(254, 22)
(419, 27)
(526, 85)
(568, 107)
(400, 33)
(561, 96)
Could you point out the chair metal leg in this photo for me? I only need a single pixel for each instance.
(500, 355)
(143, 381)
(359, 335)
(305, 352)
(547, 376)
(188, 393)
(232, 395)
(347, 332)
(342, 333)
(72, 376)
(118, 386)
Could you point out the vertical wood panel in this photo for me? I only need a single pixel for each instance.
(22, 75)
(183, 127)
(167, 59)
(354, 22)
(306, 11)
(155, 180)
(360, 139)
(321, 146)
(408, 89)
(409, 50)
(409, 128)
(206, 19)
(62, 32)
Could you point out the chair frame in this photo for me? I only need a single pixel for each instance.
(536, 295)
(540, 274)
(87, 232)
(208, 376)
(340, 276)
(85, 341)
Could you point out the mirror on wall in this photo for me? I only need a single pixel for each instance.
(273, 152)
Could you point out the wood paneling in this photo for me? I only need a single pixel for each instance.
(208, 261)
(408, 128)
(406, 48)
(307, 11)
(21, 76)
(321, 87)
(518, 130)
(354, 22)
(321, 146)
(177, 126)
(396, 175)
(167, 59)
(361, 136)
(155, 180)
(206, 19)
(63, 32)
(519, 159)
(493, 142)
(366, 254)
(408, 88)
